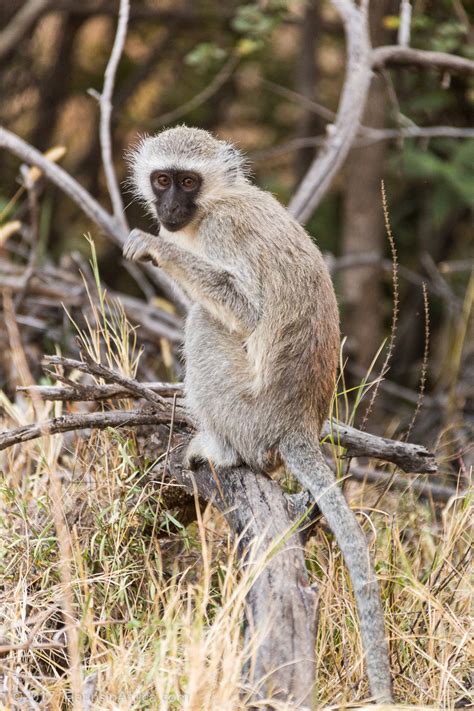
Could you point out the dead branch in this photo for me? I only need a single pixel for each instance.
(54, 287)
(65, 182)
(281, 604)
(424, 489)
(80, 392)
(105, 103)
(394, 55)
(409, 457)
(405, 23)
(361, 61)
(366, 137)
(212, 88)
(133, 386)
(85, 421)
(342, 133)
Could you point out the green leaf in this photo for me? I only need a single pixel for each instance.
(204, 55)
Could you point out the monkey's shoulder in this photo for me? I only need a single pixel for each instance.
(248, 210)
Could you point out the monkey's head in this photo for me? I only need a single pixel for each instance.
(181, 170)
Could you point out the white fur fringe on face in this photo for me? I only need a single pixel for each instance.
(219, 164)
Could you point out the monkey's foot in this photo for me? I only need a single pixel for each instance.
(205, 447)
(141, 247)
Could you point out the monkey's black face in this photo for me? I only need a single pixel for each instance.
(175, 197)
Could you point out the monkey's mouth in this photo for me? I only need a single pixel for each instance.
(174, 225)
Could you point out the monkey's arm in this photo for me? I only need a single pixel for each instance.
(216, 289)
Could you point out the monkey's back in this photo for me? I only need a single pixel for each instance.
(283, 372)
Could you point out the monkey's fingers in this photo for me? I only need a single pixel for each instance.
(136, 248)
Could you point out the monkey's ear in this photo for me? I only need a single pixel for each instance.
(233, 160)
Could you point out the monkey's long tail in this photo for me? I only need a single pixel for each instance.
(305, 461)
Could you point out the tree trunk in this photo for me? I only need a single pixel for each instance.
(306, 82)
(363, 229)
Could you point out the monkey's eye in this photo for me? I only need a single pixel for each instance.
(161, 180)
(189, 182)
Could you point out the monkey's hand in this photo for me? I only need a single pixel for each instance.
(142, 247)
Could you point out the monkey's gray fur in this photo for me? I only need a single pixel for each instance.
(261, 343)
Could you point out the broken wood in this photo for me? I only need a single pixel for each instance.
(281, 604)
(409, 457)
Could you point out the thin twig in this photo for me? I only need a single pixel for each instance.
(80, 392)
(12, 34)
(426, 489)
(105, 103)
(366, 137)
(89, 206)
(65, 182)
(109, 375)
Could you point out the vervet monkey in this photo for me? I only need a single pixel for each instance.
(262, 335)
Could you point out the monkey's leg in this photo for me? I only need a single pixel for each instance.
(216, 289)
(206, 446)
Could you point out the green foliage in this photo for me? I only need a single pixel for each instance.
(450, 174)
(253, 21)
(204, 56)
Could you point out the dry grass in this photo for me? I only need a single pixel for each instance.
(158, 606)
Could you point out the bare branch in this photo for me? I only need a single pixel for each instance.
(65, 182)
(342, 133)
(313, 106)
(81, 421)
(105, 103)
(425, 489)
(401, 56)
(405, 22)
(409, 457)
(20, 24)
(111, 376)
(361, 60)
(80, 392)
(366, 137)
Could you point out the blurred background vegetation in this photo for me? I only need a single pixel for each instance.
(267, 75)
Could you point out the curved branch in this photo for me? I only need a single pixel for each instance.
(65, 182)
(406, 56)
(342, 133)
